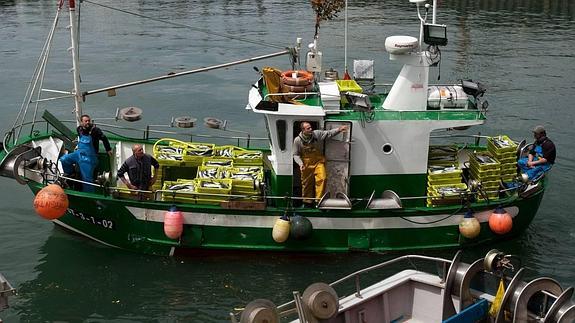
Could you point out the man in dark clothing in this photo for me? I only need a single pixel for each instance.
(86, 154)
(139, 169)
(541, 157)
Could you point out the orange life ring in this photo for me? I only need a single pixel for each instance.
(296, 88)
(297, 78)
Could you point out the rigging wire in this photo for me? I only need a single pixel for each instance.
(243, 39)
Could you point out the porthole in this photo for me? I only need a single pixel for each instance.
(387, 148)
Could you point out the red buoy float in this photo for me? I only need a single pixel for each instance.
(51, 202)
(500, 221)
(173, 223)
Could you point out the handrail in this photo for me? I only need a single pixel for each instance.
(285, 308)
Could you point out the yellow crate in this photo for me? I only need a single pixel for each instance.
(248, 158)
(508, 178)
(441, 172)
(444, 181)
(218, 162)
(168, 156)
(203, 186)
(208, 172)
(183, 193)
(226, 151)
(483, 162)
(501, 144)
(348, 86)
(447, 191)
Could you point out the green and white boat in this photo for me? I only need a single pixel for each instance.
(401, 178)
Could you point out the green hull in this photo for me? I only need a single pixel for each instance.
(138, 226)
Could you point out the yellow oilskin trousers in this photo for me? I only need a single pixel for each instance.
(313, 176)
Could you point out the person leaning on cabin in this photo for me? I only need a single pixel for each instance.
(86, 153)
(541, 156)
(139, 169)
(308, 154)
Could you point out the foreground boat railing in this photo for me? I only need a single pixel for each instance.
(5, 290)
(461, 287)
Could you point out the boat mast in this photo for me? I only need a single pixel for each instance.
(75, 60)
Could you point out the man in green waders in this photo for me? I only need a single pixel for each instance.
(308, 154)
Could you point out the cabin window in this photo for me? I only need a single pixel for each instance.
(281, 127)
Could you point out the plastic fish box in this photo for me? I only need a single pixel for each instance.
(214, 186)
(501, 144)
(501, 155)
(448, 191)
(483, 162)
(168, 156)
(484, 175)
(439, 172)
(226, 151)
(347, 86)
(248, 158)
(209, 172)
(509, 171)
(218, 162)
(195, 153)
(444, 181)
(508, 178)
(508, 168)
(172, 194)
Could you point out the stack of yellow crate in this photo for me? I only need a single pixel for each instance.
(487, 170)
(504, 150)
(443, 155)
(444, 185)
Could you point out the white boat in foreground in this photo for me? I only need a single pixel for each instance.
(454, 292)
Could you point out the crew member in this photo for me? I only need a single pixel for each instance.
(139, 169)
(86, 153)
(308, 154)
(541, 157)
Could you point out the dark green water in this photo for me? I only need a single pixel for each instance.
(522, 50)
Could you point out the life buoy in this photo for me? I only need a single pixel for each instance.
(297, 78)
(296, 89)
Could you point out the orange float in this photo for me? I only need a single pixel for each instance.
(173, 223)
(500, 221)
(51, 202)
(297, 78)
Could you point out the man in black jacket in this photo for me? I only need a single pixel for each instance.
(86, 153)
(139, 169)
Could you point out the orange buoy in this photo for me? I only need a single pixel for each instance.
(469, 226)
(173, 223)
(500, 221)
(51, 202)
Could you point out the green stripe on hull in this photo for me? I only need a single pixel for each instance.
(109, 221)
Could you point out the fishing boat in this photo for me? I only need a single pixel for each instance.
(401, 177)
(491, 289)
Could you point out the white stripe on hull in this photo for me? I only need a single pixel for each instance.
(326, 223)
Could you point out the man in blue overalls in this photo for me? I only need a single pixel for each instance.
(86, 154)
(541, 156)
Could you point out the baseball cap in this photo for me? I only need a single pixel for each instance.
(538, 129)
